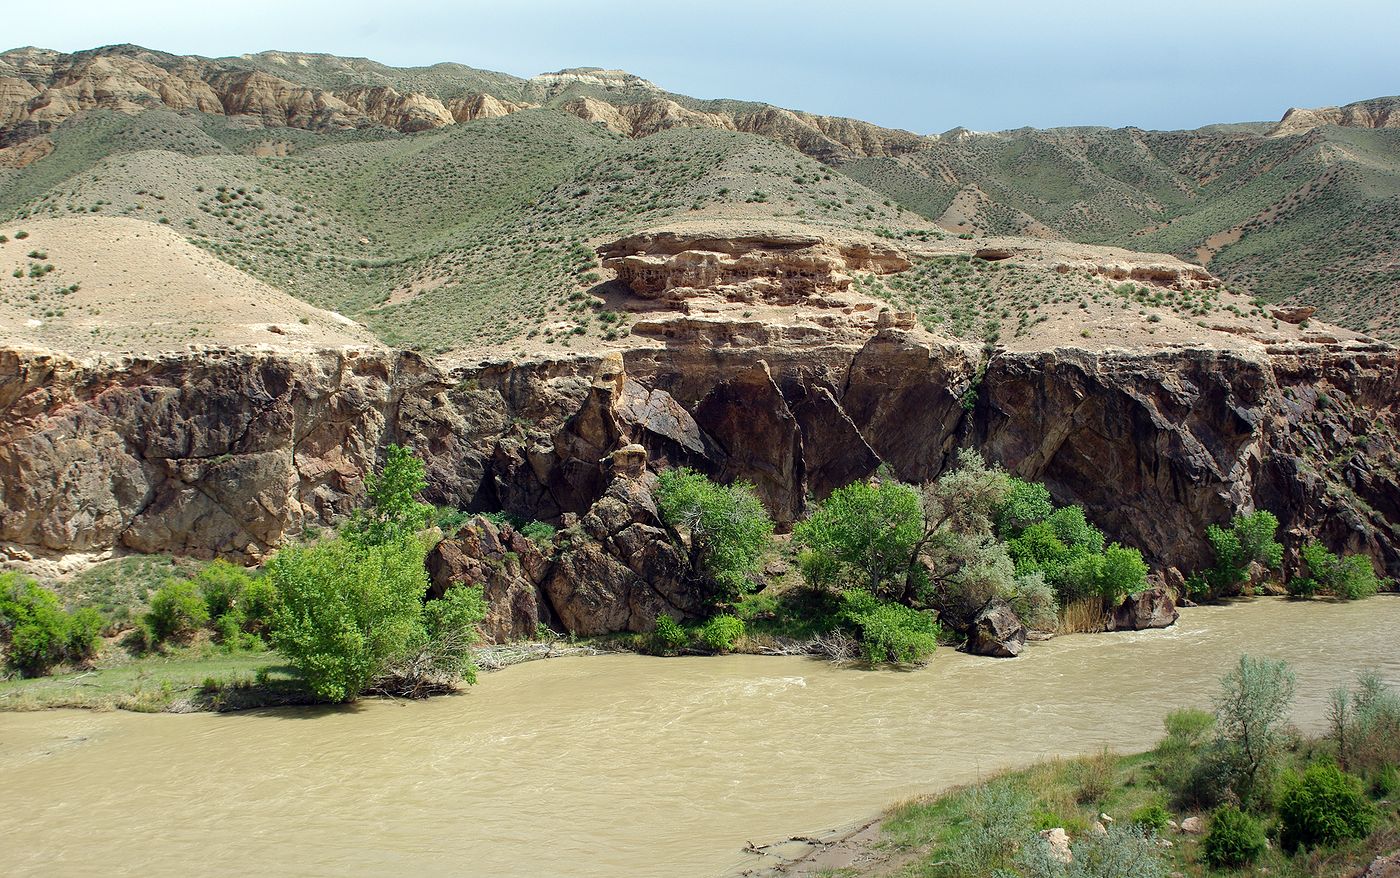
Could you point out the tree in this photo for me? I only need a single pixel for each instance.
(38, 632)
(393, 511)
(177, 611)
(1350, 577)
(1248, 540)
(728, 526)
(864, 535)
(1250, 710)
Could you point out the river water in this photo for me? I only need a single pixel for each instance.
(618, 765)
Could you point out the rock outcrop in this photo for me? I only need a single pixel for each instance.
(996, 631)
(1374, 113)
(510, 568)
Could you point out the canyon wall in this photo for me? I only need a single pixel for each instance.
(231, 453)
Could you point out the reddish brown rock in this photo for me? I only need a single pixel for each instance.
(509, 566)
(1150, 608)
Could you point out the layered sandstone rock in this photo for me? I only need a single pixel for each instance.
(1374, 113)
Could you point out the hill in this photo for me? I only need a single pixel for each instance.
(449, 208)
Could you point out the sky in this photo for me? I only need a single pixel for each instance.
(924, 66)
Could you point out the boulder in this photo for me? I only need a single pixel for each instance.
(1193, 826)
(1292, 313)
(996, 631)
(1151, 608)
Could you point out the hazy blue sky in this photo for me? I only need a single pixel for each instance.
(926, 66)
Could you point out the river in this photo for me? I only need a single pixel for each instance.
(619, 765)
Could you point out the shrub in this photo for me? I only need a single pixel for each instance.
(999, 819)
(1366, 724)
(1094, 777)
(177, 611)
(720, 632)
(259, 606)
(1121, 852)
(541, 533)
(668, 636)
(1235, 839)
(1152, 817)
(222, 586)
(84, 634)
(729, 528)
(1248, 540)
(889, 632)
(34, 625)
(1322, 806)
(1350, 578)
(345, 612)
(1250, 711)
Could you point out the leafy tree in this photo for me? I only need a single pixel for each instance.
(1248, 540)
(863, 535)
(393, 511)
(1350, 577)
(1250, 711)
(177, 611)
(345, 611)
(38, 632)
(729, 528)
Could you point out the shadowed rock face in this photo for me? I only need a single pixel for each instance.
(229, 453)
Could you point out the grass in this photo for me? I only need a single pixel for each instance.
(197, 677)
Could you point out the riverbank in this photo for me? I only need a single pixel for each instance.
(1084, 798)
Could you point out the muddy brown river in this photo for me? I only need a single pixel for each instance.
(618, 765)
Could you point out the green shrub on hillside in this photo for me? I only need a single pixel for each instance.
(728, 526)
(667, 637)
(1250, 712)
(1322, 806)
(177, 611)
(1234, 839)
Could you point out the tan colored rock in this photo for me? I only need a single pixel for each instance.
(1193, 825)
(1376, 113)
(1057, 840)
(478, 105)
(402, 112)
(1292, 313)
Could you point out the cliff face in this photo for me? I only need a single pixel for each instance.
(230, 453)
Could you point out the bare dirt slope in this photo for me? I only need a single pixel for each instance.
(107, 284)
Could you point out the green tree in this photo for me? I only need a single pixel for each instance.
(38, 634)
(1350, 577)
(889, 632)
(1250, 711)
(862, 536)
(345, 611)
(728, 526)
(222, 585)
(392, 511)
(1248, 540)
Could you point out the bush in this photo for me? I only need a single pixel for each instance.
(1235, 839)
(1248, 540)
(668, 636)
(177, 611)
(34, 625)
(1250, 711)
(720, 632)
(542, 534)
(1348, 578)
(1152, 817)
(1366, 724)
(84, 634)
(259, 606)
(889, 632)
(729, 528)
(1193, 768)
(345, 612)
(222, 586)
(1322, 806)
